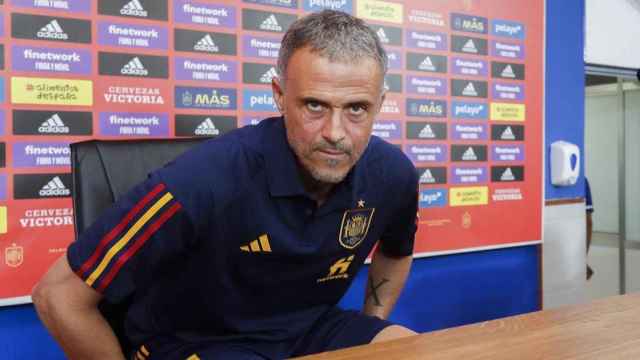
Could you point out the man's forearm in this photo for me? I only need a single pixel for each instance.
(387, 276)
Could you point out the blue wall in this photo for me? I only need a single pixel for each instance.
(443, 291)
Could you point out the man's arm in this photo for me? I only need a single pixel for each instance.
(69, 309)
(387, 275)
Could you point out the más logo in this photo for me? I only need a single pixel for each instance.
(430, 198)
(507, 132)
(469, 110)
(118, 64)
(426, 62)
(468, 152)
(205, 98)
(266, 21)
(468, 23)
(507, 173)
(426, 130)
(189, 12)
(432, 175)
(38, 186)
(253, 73)
(28, 122)
(469, 45)
(36, 27)
(338, 5)
(204, 125)
(427, 108)
(507, 70)
(204, 42)
(469, 88)
(145, 9)
(509, 29)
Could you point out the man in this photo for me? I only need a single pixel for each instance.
(242, 247)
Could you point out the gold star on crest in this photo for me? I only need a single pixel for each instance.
(360, 203)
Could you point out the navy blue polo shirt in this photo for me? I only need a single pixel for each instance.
(224, 242)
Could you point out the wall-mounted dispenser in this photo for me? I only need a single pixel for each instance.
(565, 163)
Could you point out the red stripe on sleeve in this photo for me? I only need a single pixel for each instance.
(99, 251)
(137, 245)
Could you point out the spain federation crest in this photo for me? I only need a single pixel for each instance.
(354, 227)
(13, 255)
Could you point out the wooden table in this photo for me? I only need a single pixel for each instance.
(604, 329)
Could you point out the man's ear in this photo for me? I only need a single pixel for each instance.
(278, 93)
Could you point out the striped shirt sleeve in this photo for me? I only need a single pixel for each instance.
(144, 228)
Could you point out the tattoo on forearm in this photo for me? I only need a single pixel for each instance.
(373, 291)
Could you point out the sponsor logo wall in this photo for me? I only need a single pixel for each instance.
(464, 91)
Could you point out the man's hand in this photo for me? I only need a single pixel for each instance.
(69, 309)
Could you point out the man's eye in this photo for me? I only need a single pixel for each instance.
(314, 106)
(357, 109)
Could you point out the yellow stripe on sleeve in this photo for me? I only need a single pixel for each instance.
(125, 239)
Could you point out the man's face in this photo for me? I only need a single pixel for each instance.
(328, 109)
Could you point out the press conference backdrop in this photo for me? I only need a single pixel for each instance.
(464, 102)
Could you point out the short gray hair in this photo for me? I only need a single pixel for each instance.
(336, 36)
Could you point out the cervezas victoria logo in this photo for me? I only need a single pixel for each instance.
(52, 30)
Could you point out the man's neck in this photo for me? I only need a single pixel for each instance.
(318, 190)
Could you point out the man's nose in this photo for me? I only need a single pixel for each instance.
(333, 130)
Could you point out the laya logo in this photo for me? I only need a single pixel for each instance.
(188, 12)
(468, 152)
(205, 98)
(388, 35)
(426, 62)
(339, 269)
(56, 60)
(507, 132)
(36, 27)
(119, 64)
(338, 5)
(469, 175)
(509, 29)
(469, 110)
(469, 88)
(204, 42)
(430, 198)
(426, 130)
(253, 73)
(469, 45)
(81, 6)
(205, 70)
(132, 36)
(468, 23)
(507, 70)
(291, 4)
(144, 9)
(29, 122)
(507, 173)
(204, 125)
(258, 100)
(37, 186)
(427, 108)
(134, 124)
(266, 21)
(432, 175)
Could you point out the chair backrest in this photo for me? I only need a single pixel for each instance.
(103, 171)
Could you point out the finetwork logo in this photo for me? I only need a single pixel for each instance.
(134, 8)
(207, 128)
(269, 75)
(53, 125)
(54, 187)
(271, 24)
(52, 30)
(206, 44)
(135, 68)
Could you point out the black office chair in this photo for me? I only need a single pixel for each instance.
(103, 171)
